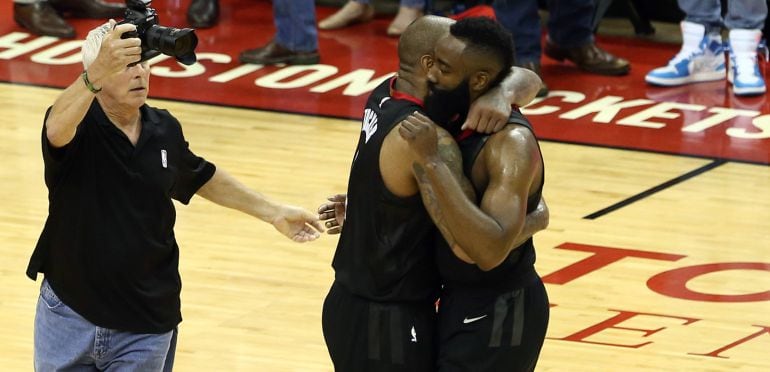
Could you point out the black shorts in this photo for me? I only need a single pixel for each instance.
(479, 330)
(367, 336)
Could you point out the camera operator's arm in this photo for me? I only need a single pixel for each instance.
(295, 223)
(71, 106)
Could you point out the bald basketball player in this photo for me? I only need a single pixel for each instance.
(379, 314)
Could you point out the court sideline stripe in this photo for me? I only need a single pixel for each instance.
(656, 189)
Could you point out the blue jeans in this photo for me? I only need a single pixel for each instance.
(749, 14)
(295, 25)
(569, 24)
(65, 341)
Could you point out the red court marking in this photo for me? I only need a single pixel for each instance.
(673, 283)
(701, 120)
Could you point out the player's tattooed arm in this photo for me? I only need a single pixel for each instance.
(486, 233)
(449, 152)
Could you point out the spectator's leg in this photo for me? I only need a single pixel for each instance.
(408, 11)
(296, 38)
(746, 14)
(295, 25)
(569, 22)
(570, 37)
(523, 21)
(745, 20)
(96, 9)
(703, 12)
(39, 17)
(355, 11)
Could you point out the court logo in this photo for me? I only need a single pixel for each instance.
(383, 101)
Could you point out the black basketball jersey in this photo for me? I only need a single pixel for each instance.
(518, 268)
(385, 252)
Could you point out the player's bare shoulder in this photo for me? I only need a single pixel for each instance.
(513, 142)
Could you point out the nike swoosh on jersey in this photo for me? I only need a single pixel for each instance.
(471, 320)
(383, 101)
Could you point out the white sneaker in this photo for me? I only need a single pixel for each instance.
(700, 59)
(744, 71)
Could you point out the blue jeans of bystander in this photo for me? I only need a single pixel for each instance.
(65, 341)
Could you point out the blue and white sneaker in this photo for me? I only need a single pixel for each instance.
(744, 71)
(700, 59)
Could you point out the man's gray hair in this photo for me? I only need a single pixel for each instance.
(93, 43)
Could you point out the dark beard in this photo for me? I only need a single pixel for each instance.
(448, 107)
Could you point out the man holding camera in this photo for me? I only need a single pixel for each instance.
(113, 164)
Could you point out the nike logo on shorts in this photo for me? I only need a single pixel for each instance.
(471, 320)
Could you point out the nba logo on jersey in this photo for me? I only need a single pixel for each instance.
(414, 335)
(369, 125)
(163, 158)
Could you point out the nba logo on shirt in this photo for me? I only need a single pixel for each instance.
(163, 158)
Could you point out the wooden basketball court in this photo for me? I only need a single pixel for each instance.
(252, 299)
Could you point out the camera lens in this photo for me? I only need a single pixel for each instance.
(179, 43)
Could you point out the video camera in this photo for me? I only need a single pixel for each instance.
(156, 39)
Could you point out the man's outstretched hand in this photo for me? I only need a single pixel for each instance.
(297, 224)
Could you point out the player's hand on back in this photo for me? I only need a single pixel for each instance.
(420, 133)
(488, 113)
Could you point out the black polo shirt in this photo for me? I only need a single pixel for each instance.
(108, 248)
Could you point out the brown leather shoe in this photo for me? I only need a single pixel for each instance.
(203, 13)
(535, 67)
(97, 9)
(40, 18)
(590, 58)
(272, 53)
